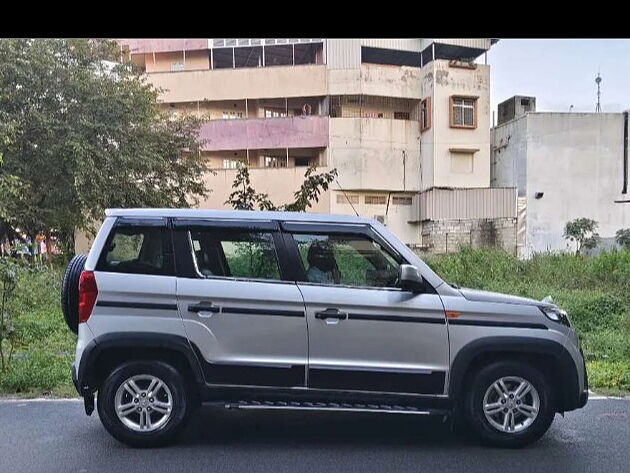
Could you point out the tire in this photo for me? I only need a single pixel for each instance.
(70, 292)
(175, 386)
(526, 429)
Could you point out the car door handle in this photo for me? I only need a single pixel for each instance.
(204, 307)
(331, 314)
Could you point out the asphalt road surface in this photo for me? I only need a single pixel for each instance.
(56, 436)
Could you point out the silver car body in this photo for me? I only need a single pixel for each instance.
(365, 345)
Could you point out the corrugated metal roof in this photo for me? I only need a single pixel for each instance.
(462, 204)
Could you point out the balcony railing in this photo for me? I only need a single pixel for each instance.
(265, 133)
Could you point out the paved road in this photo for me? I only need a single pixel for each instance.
(56, 436)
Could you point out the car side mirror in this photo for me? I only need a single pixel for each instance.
(411, 279)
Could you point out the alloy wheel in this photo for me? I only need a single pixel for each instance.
(144, 403)
(511, 404)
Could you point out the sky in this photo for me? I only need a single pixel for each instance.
(561, 73)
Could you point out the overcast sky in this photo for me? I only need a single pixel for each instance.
(561, 73)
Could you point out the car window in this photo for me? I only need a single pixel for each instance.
(234, 253)
(352, 260)
(137, 250)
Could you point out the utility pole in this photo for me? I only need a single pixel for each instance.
(598, 81)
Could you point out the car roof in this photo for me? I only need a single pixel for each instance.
(238, 214)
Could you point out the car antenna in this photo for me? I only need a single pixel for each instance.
(344, 194)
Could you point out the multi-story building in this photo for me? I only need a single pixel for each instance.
(402, 121)
(565, 166)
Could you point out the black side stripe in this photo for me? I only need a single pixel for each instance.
(272, 312)
(136, 305)
(397, 318)
(496, 323)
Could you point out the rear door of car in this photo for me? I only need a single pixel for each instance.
(135, 276)
(365, 333)
(247, 323)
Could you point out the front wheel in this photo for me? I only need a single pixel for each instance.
(143, 403)
(510, 404)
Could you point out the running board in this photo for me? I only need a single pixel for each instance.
(335, 407)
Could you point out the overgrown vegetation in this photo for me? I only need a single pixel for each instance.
(594, 290)
(44, 347)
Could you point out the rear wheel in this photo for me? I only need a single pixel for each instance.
(144, 403)
(510, 404)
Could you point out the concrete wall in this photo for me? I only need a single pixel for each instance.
(459, 169)
(375, 153)
(379, 80)
(448, 236)
(279, 183)
(235, 84)
(576, 160)
(509, 156)
(396, 214)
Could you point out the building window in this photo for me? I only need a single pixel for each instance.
(375, 199)
(425, 114)
(177, 66)
(401, 200)
(463, 112)
(302, 162)
(232, 115)
(231, 163)
(347, 199)
(401, 115)
(275, 113)
(275, 162)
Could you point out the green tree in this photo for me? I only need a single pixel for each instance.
(245, 197)
(622, 237)
(80, 132)
(583, 232)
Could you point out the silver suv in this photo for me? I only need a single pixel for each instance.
(273, 310)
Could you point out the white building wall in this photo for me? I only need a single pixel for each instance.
(509, 155)
(447, 170)
(576, 160)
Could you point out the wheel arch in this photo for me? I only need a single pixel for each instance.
(550, 356)
(107, 351)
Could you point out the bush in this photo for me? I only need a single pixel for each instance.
(45, 347)
(609, 375)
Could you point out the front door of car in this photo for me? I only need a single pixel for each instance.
(247, 324)
(365, 333)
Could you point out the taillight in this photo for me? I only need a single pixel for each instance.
(87, 295)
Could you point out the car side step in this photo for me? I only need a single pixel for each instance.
(335, 407)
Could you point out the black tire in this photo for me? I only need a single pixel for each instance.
(179, 414)
(70, 292)
(483, 379)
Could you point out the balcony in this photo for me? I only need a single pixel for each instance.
(236, 84)
(265, 133)
(384, 81)
(148, 46)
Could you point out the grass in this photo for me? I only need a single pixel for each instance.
(594, 290)
(41, 364)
